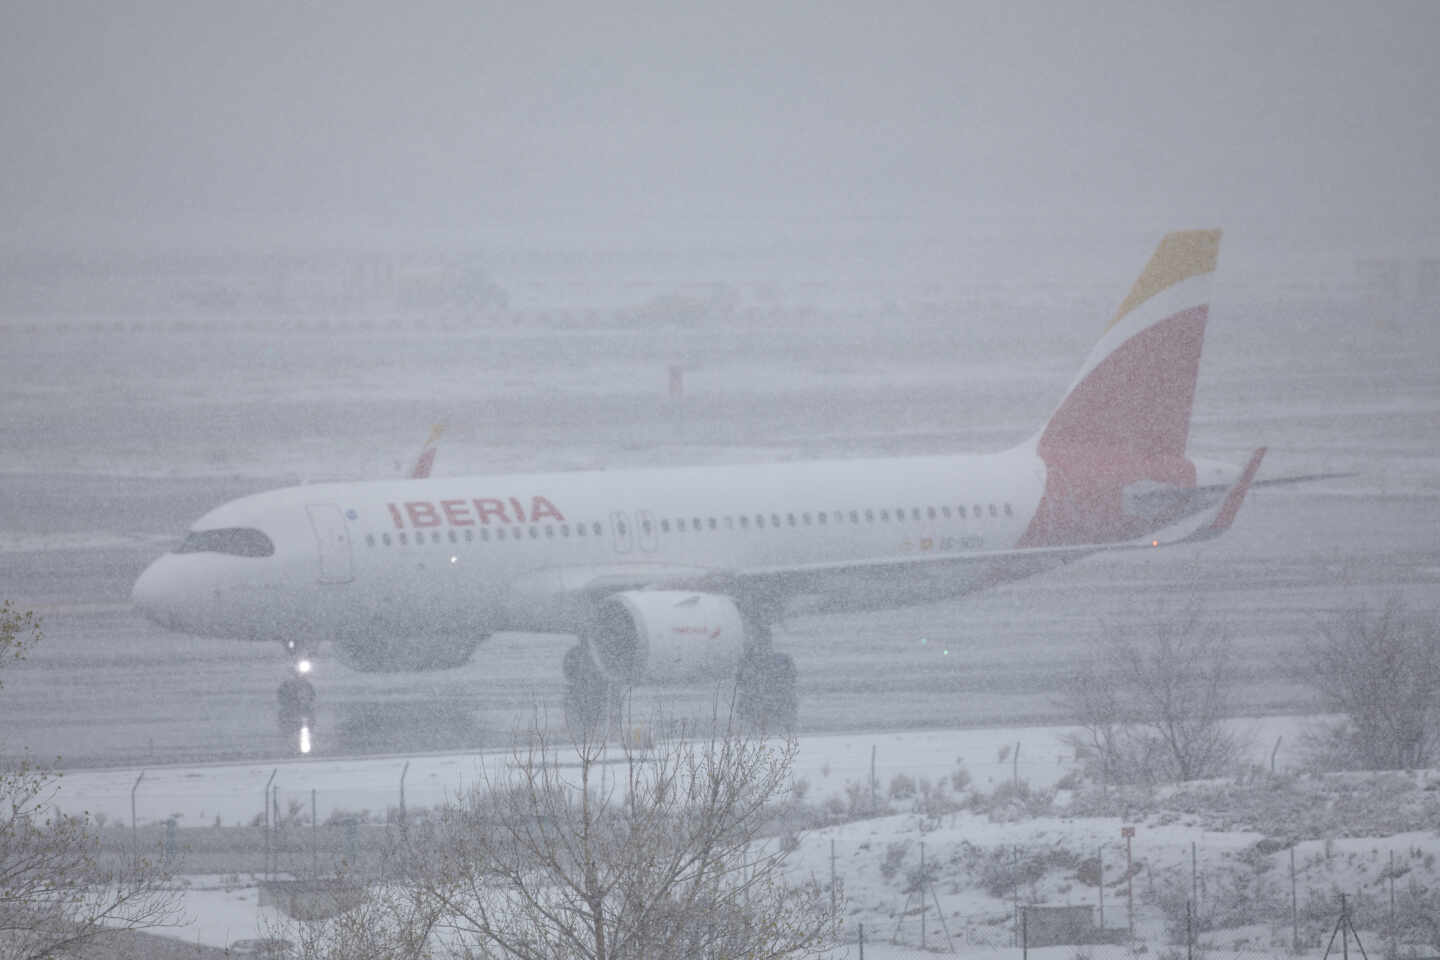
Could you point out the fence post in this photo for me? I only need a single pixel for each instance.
(404, 833)
(1194, 877)
(314, 838)
(134, 830)
(1394, 934)
(1129, 834)
(862, 941)
(275, 822)
(1025, 933)
(1015, 887)
(923, 904)
(1294, 907)
(1189, 932)
(1100, 884)
(1344, 928)
(873, 801)
(833, 905)
(265, 808)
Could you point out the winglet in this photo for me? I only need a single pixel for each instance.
(1226, 514)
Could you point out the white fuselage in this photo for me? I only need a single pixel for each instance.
(478, 554)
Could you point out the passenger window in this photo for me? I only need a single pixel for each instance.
(978, 512)
(1008, 511)
(485, 534)
(534, 533)
(580, 529)
(469, 535)
(869, 516)
(759, 521)
(854, 516)
(805, 519)
(453, 538)
(385, 539)
(620, 528)
(369, 539)
(945, 511)
(790, 519)
(961, 511)
(744, 522)
(775, 520)
(915, 514)
(930, 513)
(401, 538)
(595, 528)
(644, 523)
(664, 526)
(993, 511)
(697, 526)
(564, 529)
(549, 532)
(499, 533)
(884, 516)
(822, 516)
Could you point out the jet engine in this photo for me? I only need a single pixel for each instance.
(665, 636)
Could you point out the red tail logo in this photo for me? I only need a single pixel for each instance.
(1126, 419)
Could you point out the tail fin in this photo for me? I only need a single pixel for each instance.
(426, 460)
(1135, 390)
(1126, 418)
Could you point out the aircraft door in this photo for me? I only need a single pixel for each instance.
(647, 534)
(620, 534)
(333, 539)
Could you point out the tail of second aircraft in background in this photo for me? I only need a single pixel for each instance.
(1123, 426)
(426, 460)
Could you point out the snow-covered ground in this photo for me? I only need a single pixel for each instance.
(199, 794)
(978, 833)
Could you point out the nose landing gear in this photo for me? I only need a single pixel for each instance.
(296, 698)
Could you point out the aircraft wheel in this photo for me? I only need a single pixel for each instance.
(766, 699)
(590, 697)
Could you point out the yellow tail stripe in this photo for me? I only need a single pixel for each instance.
(1180, 256)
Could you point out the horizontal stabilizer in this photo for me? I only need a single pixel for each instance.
(1226, 514)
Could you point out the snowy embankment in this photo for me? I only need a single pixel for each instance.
(996, 830)
(233, 792)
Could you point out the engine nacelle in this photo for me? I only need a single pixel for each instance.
(664, 636)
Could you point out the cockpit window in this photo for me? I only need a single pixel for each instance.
(236, 541)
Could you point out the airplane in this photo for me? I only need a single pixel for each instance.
(676, 575)
(426, 460)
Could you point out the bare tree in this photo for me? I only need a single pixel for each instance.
(1382, 671)
(392, 921)
(57, 892)
(599, 852)
(1152, 702)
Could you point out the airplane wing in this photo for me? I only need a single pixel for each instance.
(793, 580)
(797, 579)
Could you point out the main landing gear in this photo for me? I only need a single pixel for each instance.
(766, 699)
(593, 702)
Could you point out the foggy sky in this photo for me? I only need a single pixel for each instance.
(271, 121)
